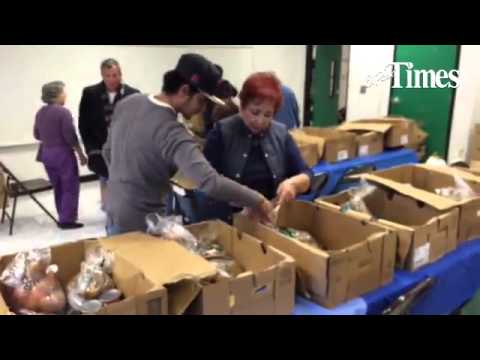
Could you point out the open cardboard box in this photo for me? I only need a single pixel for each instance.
(266, 286)
(167, 285)
(425, 233)
(425, 179)
(332, 145)
(359, 256)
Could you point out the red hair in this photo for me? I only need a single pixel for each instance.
(264, 86)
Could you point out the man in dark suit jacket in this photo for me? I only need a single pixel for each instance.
(96, 109)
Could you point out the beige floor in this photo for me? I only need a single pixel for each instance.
(35, 229)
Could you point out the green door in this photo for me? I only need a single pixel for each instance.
(431, 107)
(325, 86)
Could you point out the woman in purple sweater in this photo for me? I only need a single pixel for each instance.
(58, 141)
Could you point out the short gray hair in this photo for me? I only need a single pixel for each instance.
(109, 63)
(51, 91)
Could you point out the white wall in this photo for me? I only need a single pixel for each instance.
(288, 61)
(365, 61)
(466, 111)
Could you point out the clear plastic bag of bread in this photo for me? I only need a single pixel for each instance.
(31, 284)
(93, 287)
(357, 197)
(170, 228)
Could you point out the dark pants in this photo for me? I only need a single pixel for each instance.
(62, 169)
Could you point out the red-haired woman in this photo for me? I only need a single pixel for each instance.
(256, 151)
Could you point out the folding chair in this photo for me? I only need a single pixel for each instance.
(16, 188)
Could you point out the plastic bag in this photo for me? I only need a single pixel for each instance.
(32, 284)
(93, 287)
(206, 247)
(436, 161)
(171, 228)
(357, 196)
(302, 236)
(460, 192)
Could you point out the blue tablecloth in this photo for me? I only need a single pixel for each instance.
(457, 278)
(336, 171)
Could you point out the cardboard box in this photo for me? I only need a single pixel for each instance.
(358, 259)
(157, 277)
(424, 180)
(309, 153)
(425, 234)
(421, 152)
(332, 145)
(368, 142)
(398, 132)
(475, 144)
(265, 287)
(141, 297)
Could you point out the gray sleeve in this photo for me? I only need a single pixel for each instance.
(179, 148)
(107, 148)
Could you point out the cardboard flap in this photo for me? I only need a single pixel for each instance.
(436, 201)
(301, 137)
(125, 307)
(388, 257)
(451, 171)
(365, 266)
(162, 261)
(405, 247)
(181, 295)
(358, 126)
(4, 310)
(153, 303)
(115, 243)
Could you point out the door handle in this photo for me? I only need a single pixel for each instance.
(333, 66)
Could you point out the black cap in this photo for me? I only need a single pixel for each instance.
(201, 73)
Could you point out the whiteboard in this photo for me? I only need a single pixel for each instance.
(25, 68)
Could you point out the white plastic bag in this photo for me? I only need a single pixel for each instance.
(170, 228)
(32, 284)
(93, 287)
(357, 196)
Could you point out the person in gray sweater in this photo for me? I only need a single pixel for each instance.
(147, 145)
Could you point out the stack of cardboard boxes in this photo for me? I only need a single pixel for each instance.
(359, 138)
(331, 144)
